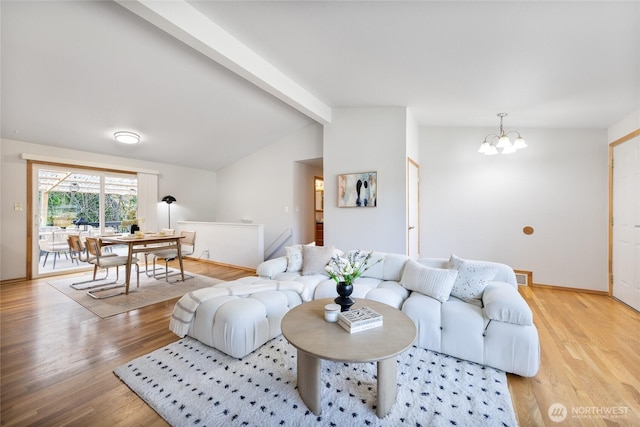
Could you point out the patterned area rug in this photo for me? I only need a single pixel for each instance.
(190, 384)
(151, 291)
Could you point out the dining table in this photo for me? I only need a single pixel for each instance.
(145, 243)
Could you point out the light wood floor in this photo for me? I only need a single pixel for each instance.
(57, 357)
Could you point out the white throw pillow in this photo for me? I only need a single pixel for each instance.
(434, 282)
(472, 278)
(315, 259)
(294, 257)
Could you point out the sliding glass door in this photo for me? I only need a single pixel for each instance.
(69, 200)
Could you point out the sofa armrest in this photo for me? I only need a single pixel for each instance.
(503, 303)
(271, 267)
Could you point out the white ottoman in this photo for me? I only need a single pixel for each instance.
(237, 325)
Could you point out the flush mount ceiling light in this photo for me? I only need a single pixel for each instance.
(127, 137)
(501, 141)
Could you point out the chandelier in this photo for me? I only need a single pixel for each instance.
(500, 143)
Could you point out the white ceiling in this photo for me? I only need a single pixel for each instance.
(75, 72)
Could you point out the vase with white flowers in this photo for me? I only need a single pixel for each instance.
(132, 221)
(345, 270)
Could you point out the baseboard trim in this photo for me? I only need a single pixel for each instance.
(565, 288)
(222, 264)
(11, 281)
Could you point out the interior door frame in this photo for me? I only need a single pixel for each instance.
(611, 147)
(416, 228)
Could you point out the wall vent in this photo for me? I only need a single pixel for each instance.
(524, 278)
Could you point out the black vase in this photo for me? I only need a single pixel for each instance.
(344, 299)
(134, 228)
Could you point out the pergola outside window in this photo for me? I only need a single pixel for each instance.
(74, 198)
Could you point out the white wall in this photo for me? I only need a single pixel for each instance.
(364, 140)
(260, 187)
(240, 245)
(413, 137)
(476, 206)
(624, 127)
(194, 189)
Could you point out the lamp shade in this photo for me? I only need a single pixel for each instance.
(168, 199)
(484, 147)
(508, 150)
(519, 143)
(503, 142)
(491, 151)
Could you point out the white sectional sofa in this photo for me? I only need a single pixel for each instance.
(379, 283)
(496, 331)
(467, 309)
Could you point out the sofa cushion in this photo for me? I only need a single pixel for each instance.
(390, 293)
(463, 325)
(503, 303)
(434, 282)
(426, 313)
(375, 266)
(294, 257)
(272, 267)
(316, 258)
(389, 267)
(394, 266)
(309, 283)
(473, 277)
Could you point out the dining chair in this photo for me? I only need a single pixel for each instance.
(106, 261)
(55, 243)
(152, 248)
(151, 273)
(79, 252)
(187, 247)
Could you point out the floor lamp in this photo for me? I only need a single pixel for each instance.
(168, 200)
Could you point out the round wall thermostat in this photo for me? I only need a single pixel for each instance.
(527, 230)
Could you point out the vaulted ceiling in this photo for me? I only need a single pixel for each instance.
(205, 83)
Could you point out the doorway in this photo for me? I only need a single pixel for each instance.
(318, 191)
(68, 200)
(413, 209)
(625, 220)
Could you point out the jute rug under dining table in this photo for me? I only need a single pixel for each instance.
(151, 291)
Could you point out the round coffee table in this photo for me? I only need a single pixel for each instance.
(316, 339)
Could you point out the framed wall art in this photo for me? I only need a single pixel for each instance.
(358, 190)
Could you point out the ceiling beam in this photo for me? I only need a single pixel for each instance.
(196, 30)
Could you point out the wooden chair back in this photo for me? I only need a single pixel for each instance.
(93, 247)
(77, 249)
(189, 240)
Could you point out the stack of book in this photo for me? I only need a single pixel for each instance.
(359, 319)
